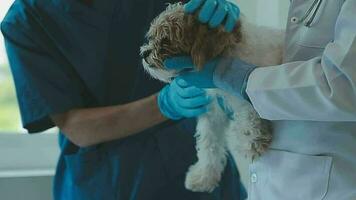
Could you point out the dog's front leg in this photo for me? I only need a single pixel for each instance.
(205, 174)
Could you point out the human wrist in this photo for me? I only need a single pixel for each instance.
(232, 75)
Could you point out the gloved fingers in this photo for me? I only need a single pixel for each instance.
(181, 83)
(190, 92)
(207, 10)
(219, 15)
(193, 5)
(195, 112)
(179, 63)
(194, 102)
(233, 16)
(183, 90)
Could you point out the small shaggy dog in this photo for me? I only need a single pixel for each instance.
(240, 132)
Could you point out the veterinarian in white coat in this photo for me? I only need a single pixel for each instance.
(311, 101)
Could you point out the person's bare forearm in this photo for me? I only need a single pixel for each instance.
(85, 127)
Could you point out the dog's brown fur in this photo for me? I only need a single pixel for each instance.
(174, 33)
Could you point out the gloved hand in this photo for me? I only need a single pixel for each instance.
(200, 79)
(228, 74)
(214, 12)
(179, 99)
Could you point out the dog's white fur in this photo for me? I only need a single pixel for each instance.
(218, 134)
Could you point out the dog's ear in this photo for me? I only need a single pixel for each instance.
(198, 37)
(201, 49)
(208, 44)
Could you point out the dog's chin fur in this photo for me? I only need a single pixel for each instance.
(241, 132)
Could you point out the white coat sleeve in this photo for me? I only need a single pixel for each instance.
(320, 89)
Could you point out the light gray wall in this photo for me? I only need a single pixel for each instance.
(28, 155)
(26, 188)
(272, 13)
(27, 164)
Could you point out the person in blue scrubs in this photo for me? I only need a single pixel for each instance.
(76, 66)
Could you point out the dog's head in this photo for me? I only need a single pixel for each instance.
(175, 33)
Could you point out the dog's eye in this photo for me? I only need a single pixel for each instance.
(146, 53)
(166, 48)
(165, 41)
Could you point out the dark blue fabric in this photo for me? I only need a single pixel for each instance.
(66, 55)
(138, 168)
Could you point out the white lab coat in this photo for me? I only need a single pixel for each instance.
(311, 100)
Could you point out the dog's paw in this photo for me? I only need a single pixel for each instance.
(202, 178)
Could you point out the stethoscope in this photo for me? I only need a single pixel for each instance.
(310, 15)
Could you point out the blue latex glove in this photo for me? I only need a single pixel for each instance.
(230, 75)
(200, 79)
(214, 12)
(179, 99)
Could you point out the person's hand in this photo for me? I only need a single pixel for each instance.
(200, 79)
(227, 74)
(181, 100)
(214, 12)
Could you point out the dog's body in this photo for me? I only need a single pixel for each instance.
(241, 131)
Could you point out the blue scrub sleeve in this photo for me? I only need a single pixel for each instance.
(43, 86)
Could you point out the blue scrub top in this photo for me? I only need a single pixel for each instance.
(65, 54)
